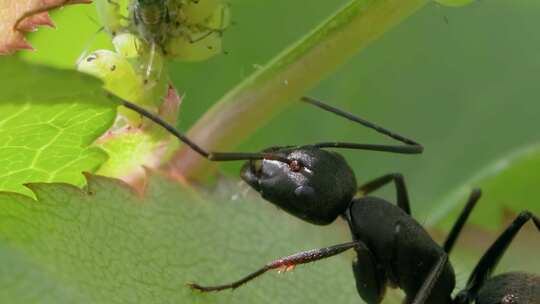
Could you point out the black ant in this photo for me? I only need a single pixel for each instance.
(317, 186)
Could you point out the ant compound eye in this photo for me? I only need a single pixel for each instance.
(295, 166)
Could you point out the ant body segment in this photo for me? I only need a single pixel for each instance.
(392, 248)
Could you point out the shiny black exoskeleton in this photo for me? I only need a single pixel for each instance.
(392, 248)
(317, 190)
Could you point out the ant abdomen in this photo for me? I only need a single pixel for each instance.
(510, 288)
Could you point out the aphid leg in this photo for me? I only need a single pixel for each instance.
(285, 263)
(460, 222)
(491, 258)
(432, 278)
(206, 35)
(401, 190)
(410, 147)
(211, 30)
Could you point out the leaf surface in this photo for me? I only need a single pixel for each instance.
(107, 245)
(49, 120)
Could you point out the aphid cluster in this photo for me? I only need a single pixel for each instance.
(146, 33)
(189, 30)
(176, 26)
(392, 248)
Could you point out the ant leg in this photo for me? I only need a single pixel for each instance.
(463, 216)
(212, 156)
(410, 147)
(424, 279)
(432, 278)
(370, 281)
(491, 258)
(401, 190)
(285, 263)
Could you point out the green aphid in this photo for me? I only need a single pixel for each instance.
(202, 41)
(187, 30)
(123, 80)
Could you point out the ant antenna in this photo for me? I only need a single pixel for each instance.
(411, 146)
(212, 156)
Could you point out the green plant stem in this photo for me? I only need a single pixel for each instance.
(285, 78)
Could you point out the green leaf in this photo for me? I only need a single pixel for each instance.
(509, 184)
(49, 120)
(130, 150)
(107, 245)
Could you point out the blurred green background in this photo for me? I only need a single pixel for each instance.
(461, 81)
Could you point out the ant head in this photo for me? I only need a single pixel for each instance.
(315, 185)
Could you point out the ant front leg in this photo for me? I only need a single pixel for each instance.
(370, 281)
(401, 189)
(285, 263)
